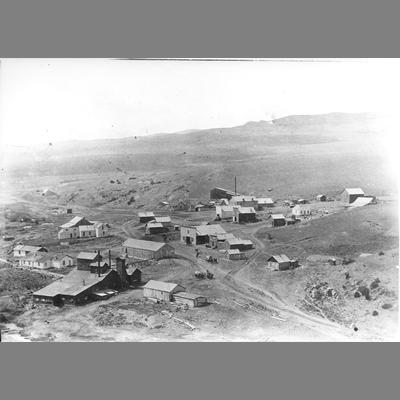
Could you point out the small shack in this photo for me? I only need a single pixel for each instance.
(191, 299)
(281, 262)
(153, 228)
(278, 220)
(161, 291)
(234, 254)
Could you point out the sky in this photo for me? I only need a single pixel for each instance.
(50, 100)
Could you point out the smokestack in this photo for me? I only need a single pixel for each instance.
(235, 186)
(109, 258)
(98, 263)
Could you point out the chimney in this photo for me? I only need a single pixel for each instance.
(235, 186)
(121, 270)
(109, 258)
(98, 263)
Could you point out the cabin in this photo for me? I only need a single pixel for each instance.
(153, 228)
(351, 194)
(321, 197)
(161, 291)
(239, 244)
(146, 216)
(84, 259)
(301, 210)
(281, 262)
(278, 220)
(264, 202)
(200, 234)
(219, 193)
(146, 249)
(224, 212)
(22, 250)
(242, 215)
(190, 299)
(244, 201)
(63, 261)
(234, 254)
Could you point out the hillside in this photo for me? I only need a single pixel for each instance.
(296, 155)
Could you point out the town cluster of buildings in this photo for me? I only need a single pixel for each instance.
(80, 227)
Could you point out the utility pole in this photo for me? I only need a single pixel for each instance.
(235, 186)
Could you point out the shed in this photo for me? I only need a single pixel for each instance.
(161, 291)
(84, 259)
(153, 228)
(234, 254)
(244, 214)
(239, 244)
(191, 299)
(165, 221)
(281, 262)
(146, 249)
(63, 261)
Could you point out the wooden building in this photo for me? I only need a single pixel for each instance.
(278, 220)
(146, 249)
(244, 215)
(63, 261)
(146, 216)
(321, 197)
(281, 262)
(84, 259)
(224, 212)
(153, 228)
(161, 291)
(234, 254)
(39, 261)
(200, 234)
(244, 201)
(190, 299)
(350, 194)
(264, 202)
(219, 193)
(300, 210)
(22, 250)
(164, 221)
(239, 244)
(218, 241)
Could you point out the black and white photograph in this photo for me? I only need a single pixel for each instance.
(199, 200)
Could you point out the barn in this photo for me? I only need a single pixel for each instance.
(146, 249)
(191, 299)
(161, 291)
(219, 193)
(278, 220)
(146, 216)
(244, 214)
(350, 194)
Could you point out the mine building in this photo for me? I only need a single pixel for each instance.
(146, 249)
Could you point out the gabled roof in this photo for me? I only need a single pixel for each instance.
(86, 228)
(233, 241)
(143, 244)
(205, 230)
(75, 221)
(354, 191)
(85, 255)
(131, 269)
(280, 258)
(39, 257)
(277, 216)
(153, 224)
(225, 190)
(146, 214)
(234, 251)
(72, 284)
(162, 286)
(23, 247)
(225, 236)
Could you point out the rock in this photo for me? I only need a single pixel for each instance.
(375, 313)
(386, 306)
(375, 284)
(357, 294)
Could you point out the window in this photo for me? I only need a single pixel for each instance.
(63, 263)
